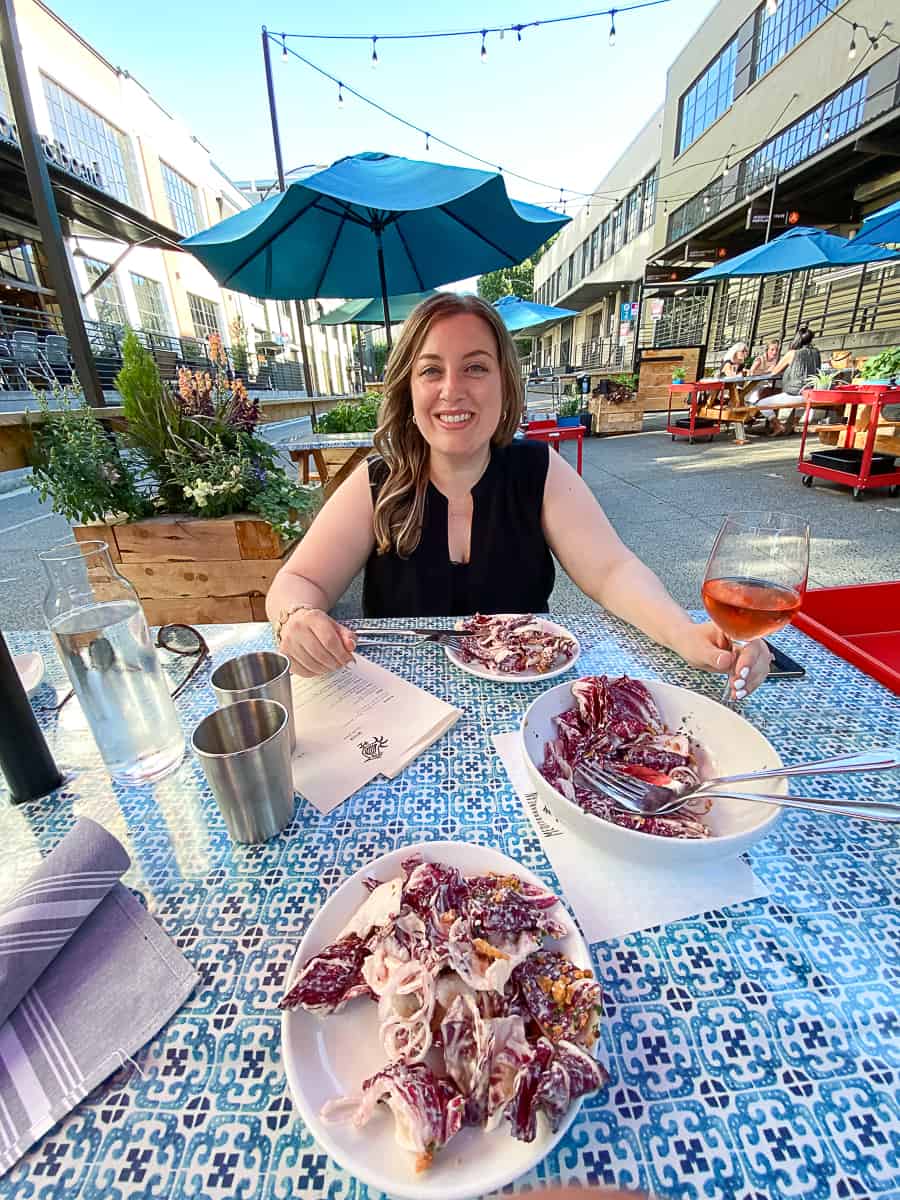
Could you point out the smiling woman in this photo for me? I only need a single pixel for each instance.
(454, 517)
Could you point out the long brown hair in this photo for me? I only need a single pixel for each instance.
(400, 506)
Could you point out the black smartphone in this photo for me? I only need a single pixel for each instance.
(783, 666)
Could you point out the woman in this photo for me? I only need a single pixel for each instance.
(455, 518)
(735, 360)
(764, 363)
(800, 361)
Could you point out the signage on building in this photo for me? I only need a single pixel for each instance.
(781, 219)
(668, 274)
(628, 311)
(56, 153)
(624, 330)
(656, 309)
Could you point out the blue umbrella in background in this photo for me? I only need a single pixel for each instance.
(519, 315)
(371, 312)
(373, 224)
(800, 249)
(882, 228)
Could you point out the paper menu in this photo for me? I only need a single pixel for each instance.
(615, 897)
(357, 723)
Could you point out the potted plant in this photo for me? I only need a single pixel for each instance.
(569, 410)
(882, 368)
(195, 507)
(351, 418)
(678, 375)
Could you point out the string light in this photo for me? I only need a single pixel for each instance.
(851, 53)
(518, 29)
(612, 27)
(284, 53)
(826, 133)
(340, 95)
(427, 141)
(483, 47)
(374, 54)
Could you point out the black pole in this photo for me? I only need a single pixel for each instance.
(279, 168)
(384, 292)
(24, 757)
(360, 351)
(757, 309)
(771, 207)
(44, 203)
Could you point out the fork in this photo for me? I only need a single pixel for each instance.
(654, 798)
(630, 800)
(438, 637)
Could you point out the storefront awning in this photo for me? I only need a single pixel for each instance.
(82, 208)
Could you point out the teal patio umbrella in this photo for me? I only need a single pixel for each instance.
(520, 315)
(800, 249)
(373, 224)
(881, 228)
(371, 312)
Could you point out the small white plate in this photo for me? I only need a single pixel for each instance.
(30, 667)
(482, 672)
(330, 1057)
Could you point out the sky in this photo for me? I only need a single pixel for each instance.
(559, 106)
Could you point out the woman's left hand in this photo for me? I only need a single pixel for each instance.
(706, 647)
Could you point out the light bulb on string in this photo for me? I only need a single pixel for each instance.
(374, 59)
(340, 102)
(284, 53)
(518, 29)
(826, 132)
(612, 27)
(851, 53)
(873, 42)
(427, 141)
(483, 47)
(502, 31)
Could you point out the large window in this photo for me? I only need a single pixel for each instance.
(618, 229)
(5, 106)
(595, 248)
(108, 296)
(708, 97)
(585, 256)
(632, 213)
(182, 201)
(648, 206)
(605, 238)
(90, 138)
(16, 258)
(780, 31)
(151, 304)
(204, 315)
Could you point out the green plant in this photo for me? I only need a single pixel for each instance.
(570, 407)
(379, 358)
(885, 365)
(240, 355)
(678, 375)
(78, 465)
(288, 507)
(350, 418)
(822, 381)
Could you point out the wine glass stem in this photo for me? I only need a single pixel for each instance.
(727, 695)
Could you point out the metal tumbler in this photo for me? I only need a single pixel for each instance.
(245, 752)
(259, 675)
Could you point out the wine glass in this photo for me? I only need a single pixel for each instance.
(755, 578)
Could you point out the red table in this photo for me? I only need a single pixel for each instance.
(553, 434)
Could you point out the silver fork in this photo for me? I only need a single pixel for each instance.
(439, 637)
(618, 788)
(653, 797)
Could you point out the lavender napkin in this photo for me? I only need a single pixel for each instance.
(86, 978)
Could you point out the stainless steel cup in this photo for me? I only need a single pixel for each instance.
(259, 675)
(245, 752)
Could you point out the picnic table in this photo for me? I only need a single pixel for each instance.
(335, 455)
(733, 390)
(752, 1051)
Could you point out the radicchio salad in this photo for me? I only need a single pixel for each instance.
(479, 1020)
(616, 721)
(514, 644)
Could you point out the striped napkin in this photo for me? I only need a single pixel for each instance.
(87, 977)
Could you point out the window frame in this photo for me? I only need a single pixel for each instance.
(97, 295)
(699, 90)
(200, 329)
(188, 203)
(124, 183)
(163, 315)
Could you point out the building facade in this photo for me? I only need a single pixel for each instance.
(777, 113)
(97, 119)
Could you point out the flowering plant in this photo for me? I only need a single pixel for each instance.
(190, 447)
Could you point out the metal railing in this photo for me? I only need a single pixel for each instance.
(34, 354)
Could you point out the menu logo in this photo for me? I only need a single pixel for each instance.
(373, 748)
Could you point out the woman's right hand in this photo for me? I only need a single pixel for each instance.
(315, 643)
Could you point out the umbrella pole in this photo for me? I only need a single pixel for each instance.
(384, 291)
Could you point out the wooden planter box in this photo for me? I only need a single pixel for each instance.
(193, 570)
(612, 418)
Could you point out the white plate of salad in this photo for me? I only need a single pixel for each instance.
(514, 648)
(439, 1024)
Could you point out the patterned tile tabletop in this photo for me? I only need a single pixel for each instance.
(753, 1052)
(326, 441)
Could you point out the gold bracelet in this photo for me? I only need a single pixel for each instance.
(285, 615)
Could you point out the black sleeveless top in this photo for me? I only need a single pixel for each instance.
(510, 568)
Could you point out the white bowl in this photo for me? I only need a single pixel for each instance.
(733, 746)
(330, 1057)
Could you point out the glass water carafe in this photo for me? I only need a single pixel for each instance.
(102, 638)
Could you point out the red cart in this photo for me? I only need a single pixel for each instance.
(553, 434)
(860, 469)
(694, 426)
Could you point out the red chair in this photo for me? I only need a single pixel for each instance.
(553, 434)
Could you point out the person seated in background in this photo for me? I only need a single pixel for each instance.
(764, 363)
(799, 363)
(453, 517)
(735, 361)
